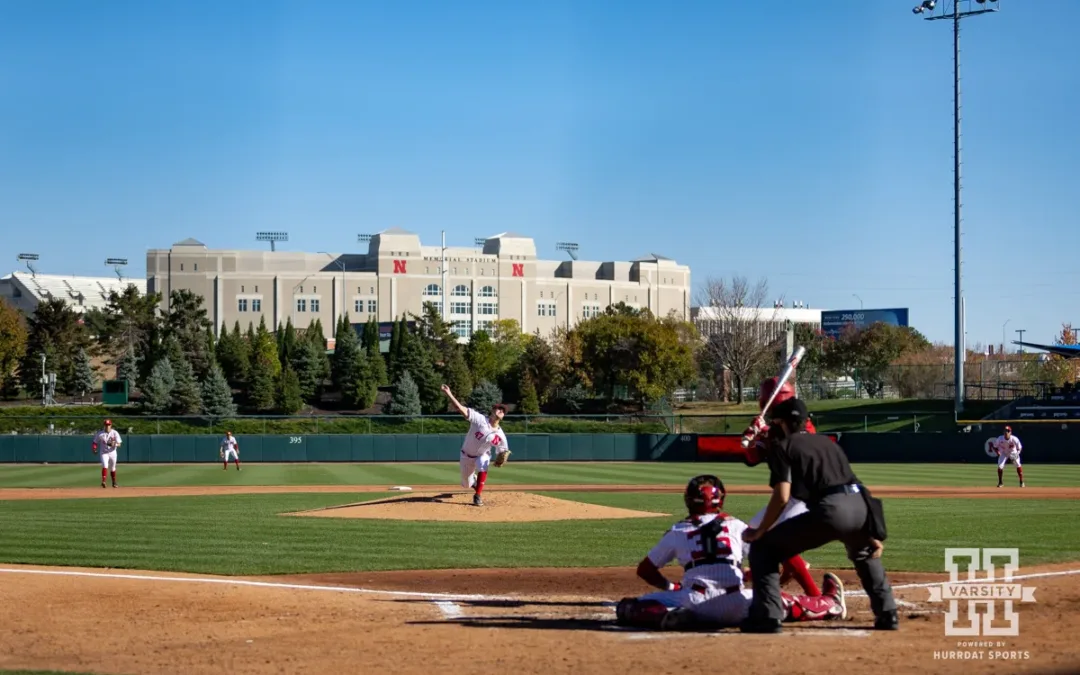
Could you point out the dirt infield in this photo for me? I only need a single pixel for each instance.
(937, 492)
(502, 507)
(523, 621)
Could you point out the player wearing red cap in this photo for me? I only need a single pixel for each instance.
(796, 567)
(107, 440)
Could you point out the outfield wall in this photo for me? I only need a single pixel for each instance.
(1047, 446)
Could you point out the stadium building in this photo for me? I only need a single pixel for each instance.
(770, 323)
(502, 279)
(24, 291)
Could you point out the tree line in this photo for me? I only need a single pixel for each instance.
(176, 365)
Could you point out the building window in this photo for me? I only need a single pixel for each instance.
(181, 267)
(481, 271)
(455, 271)
(487, 308)
(432, 290)
(256, 289)
(301, 305)
(196, 267)
(487, 292)
(545, 309)
(459, 307)
(241, 305)
(314, 289)
(541, 294)
(485, 326)
(241, 289)
(463, 329)
(589, 311)
(256, 304)
(371, 305)
(460, 291)
(314, 304)
(358, 306)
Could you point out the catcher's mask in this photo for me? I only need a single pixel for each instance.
(704, 494)
(768, 386)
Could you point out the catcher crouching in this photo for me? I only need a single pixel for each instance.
(485, 435)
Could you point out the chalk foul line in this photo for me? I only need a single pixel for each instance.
(1037, 575)
(257, 584)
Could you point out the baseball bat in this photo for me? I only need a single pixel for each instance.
(785, 374)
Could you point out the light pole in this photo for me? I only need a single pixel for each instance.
(272, 237)
(859, 299)
(956, 15)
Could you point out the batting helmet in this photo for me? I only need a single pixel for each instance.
(704, 494)
(786, 391)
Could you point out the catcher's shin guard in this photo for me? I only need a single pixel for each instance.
(807, 608)
(640, 613)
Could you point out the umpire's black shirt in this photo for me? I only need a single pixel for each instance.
(811, 463)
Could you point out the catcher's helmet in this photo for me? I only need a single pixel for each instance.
(786, 391)
(704, 494)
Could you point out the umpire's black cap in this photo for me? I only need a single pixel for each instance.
(793, 411)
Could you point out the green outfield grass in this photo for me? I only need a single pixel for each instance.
(245, 535)
(520, 473)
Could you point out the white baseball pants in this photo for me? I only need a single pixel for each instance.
(727, 610)
(108, 460)
(1004, 459)
(470, 466)
(230, 455)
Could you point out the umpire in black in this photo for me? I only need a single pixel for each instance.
(814, 469)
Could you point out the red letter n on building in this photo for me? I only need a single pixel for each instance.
(399, 267)
(519, 269)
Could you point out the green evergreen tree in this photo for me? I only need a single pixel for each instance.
(366, 387)
(307, 362)
(157, 390)
(128, 368)
(217, 397)
(85, 378)
(417, 360)
(211, 349)
(266, 348)
(394, 350)
(456, 374)
(234, 356)
(186, 394)
(530, 402)
(263, 382)
(484, 396)
(318, 339)
(482, 358)
(373, 347)
(343, 367)
(289, 400)
(406, 397)
(288, 342)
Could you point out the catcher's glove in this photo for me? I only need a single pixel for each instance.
(501, 457)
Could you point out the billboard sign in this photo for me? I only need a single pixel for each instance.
(833, 322)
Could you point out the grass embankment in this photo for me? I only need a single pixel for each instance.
(830, 415)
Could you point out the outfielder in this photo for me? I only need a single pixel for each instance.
(1008, 449)
(229, 448)
(796, 567)
(107, 440)
(709, 546)
(484, 434)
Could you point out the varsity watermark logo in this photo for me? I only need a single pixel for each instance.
(986, 592)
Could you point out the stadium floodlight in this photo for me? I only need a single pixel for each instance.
(570, 247)
(364, 238)
(29, 258)
(959, 350)
(117, 264)
(272, 237)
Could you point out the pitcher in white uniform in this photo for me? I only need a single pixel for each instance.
(484, 435)
(708, 545)
(104, 445)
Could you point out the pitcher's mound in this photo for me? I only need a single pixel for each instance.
(499, 507)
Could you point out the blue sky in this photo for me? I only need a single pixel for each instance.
(809, 143)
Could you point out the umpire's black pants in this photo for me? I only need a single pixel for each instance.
(840, 517)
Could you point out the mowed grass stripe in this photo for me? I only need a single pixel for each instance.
(244, 535)
(515, 473)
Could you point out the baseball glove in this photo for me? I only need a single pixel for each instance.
(501, 457)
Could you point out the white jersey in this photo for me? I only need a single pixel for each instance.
(698, 539)
(229, 444)
(104, 439)
(1008, 447)
(482, 437)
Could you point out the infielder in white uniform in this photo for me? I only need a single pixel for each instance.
(484, 435)
(107, 441)
(229, 448)
(1008, 448)
(709, 546)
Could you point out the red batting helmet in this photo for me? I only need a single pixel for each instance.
(786, 391)
(704, 494)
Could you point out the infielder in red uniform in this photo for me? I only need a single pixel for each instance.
(794, 568)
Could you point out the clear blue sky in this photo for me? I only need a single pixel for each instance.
(807, 142)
